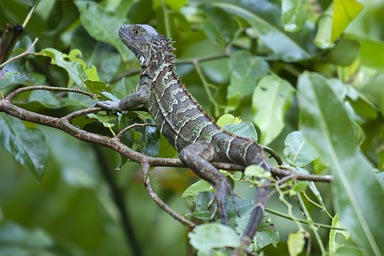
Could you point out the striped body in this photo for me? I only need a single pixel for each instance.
(186, 126)
(180, 118)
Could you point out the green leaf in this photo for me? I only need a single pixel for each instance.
(105, 58)
(206, 237)
(270, 102)
(344, 11)
(373, 90)
(46, 98)
(264, 238)
(344, 53)
(293, 14)
(97, 87)
(79, 166)
(26, 145)
(297, 152)
(234, 125)
(227, 119)
(6, 78)
(333, 243)
(372, 53)
(101, 25)
(298, 187)
(335, 20)
(256, 171)
(90, 72)
(245, 71)
(295, 243)
(174, 4)
(197, 187)
(35, 240)
(107, 121)
(218, 27)
(243, 129)
(357, 194)
(282, 46)
(62, 60)
(323, 37)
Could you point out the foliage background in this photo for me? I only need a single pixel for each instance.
(68, 210)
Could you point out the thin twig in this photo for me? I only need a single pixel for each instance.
(121, 132)
(20, 90)
(147, 183)
(282, 215)
(29, 15)
(273, 154)
(25, 53)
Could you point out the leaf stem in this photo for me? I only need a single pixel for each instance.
(285, 216)
(25, 53)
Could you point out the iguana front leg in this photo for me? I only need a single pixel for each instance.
(131, 102)
(197, 156)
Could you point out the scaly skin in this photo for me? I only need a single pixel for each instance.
(180, 118)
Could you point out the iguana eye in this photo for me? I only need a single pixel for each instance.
(135, 31)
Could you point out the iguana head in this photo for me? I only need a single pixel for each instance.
(144, 42)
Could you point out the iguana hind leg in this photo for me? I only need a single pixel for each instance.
(197, 156)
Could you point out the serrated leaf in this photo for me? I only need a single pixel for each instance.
(26, 145)
(245, 70)
(282, 46)
(297, 152)
(357, 193)
(206, 237)
(270, 102)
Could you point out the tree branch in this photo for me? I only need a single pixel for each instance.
(64, 124)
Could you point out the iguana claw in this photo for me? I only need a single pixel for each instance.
(223, 189)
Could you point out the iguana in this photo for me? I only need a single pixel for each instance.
(180, 118)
